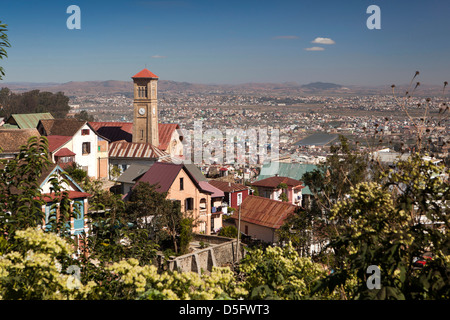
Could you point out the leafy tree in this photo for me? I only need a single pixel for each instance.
(34, 101)
(77, 173)
(35, 270)
(186, 234)
(4, 43)
(283, 196)
(151, 210)
(389, 225)
(279, 273)
(84, 115)
(329, 184)
(228, 231)
(21, 200)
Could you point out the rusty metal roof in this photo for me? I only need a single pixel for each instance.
(264, 212)
(124, 149)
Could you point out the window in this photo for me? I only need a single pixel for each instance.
(239, 198)
(181, 183)
(188, 204)
(86, 148)
(85, 132)
(142, 92)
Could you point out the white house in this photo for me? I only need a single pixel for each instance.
(72, 140)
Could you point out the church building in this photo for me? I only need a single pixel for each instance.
(145, 139)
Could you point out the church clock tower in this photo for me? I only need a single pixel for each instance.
(145, 116)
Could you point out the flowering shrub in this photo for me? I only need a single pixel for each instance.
(35, 272)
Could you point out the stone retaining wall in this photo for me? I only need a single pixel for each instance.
(219, 252)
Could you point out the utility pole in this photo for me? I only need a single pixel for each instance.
(239, 216)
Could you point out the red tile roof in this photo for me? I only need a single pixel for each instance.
(54, 142)
(264, 212)
(64, 152)
(165, 131)
(71, 194)
(273, 182)
(145, 73)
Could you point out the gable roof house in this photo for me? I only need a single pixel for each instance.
(270, 188)
(79, 200)
(72, 140)
(194, 196)
(12, 139)
(234, 193)
(26, 120)
(261, 217)
(290, 170)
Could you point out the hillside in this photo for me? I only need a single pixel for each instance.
(109, 87)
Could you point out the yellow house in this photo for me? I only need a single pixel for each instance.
(181, 185)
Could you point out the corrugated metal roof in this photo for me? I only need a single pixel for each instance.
(264, 212)
(124, 149)
(29, 120)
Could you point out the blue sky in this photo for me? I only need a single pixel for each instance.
(230, 41)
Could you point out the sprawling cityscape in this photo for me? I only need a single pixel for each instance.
(241, 151)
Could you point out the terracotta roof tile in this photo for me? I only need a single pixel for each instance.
(12, 139)
(264, 212)
(64, 152)
(60, 127)
(145, 73)
(54, 142)
(165, 134)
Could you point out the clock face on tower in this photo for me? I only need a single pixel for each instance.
(141, 111)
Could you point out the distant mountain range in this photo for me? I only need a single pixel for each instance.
(76, 88)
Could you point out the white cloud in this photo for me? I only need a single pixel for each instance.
(158, 57)
(315, 49)
(323, 40)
